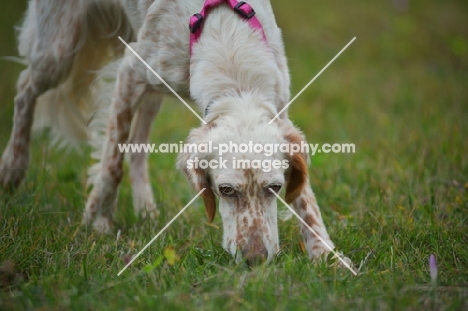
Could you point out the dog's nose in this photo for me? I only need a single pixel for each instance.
(255, 257)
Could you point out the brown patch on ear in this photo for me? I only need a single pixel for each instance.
(208, 196)
(298, 163)
(210, 204)
(196, 175)
(297, 178)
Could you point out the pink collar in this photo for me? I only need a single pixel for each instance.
(242, 8)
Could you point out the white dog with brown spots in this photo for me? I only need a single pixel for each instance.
(231, 62)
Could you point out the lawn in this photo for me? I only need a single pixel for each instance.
(399, 93)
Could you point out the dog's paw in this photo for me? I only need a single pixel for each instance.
(10, 179)
(332, 259)
(143, 201)
(341, 261)
(102, 225)
(151, 213)
(93, 216)
(12, 170)
(318, 250)
(148, 209)
(99, 223)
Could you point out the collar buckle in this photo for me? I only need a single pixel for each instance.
(195, 22)
(244, 9)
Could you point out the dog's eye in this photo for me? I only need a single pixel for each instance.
(227, 190)
(275, 187)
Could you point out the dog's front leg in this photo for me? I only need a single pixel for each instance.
(14, 162)
(317, 248)
(307, 208)
(143, 199)
(103, 197)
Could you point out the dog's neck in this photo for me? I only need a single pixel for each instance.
(241, 8)
(229, 60)
(242, 106)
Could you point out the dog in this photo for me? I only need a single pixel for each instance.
(228, 57)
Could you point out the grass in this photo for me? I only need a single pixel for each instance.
(398, 93)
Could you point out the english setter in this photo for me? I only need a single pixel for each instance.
(231, 62)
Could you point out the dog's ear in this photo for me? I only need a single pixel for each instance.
(200, 181)
(197, 176)
(298, 175)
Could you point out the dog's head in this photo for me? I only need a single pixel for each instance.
(241, 179)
